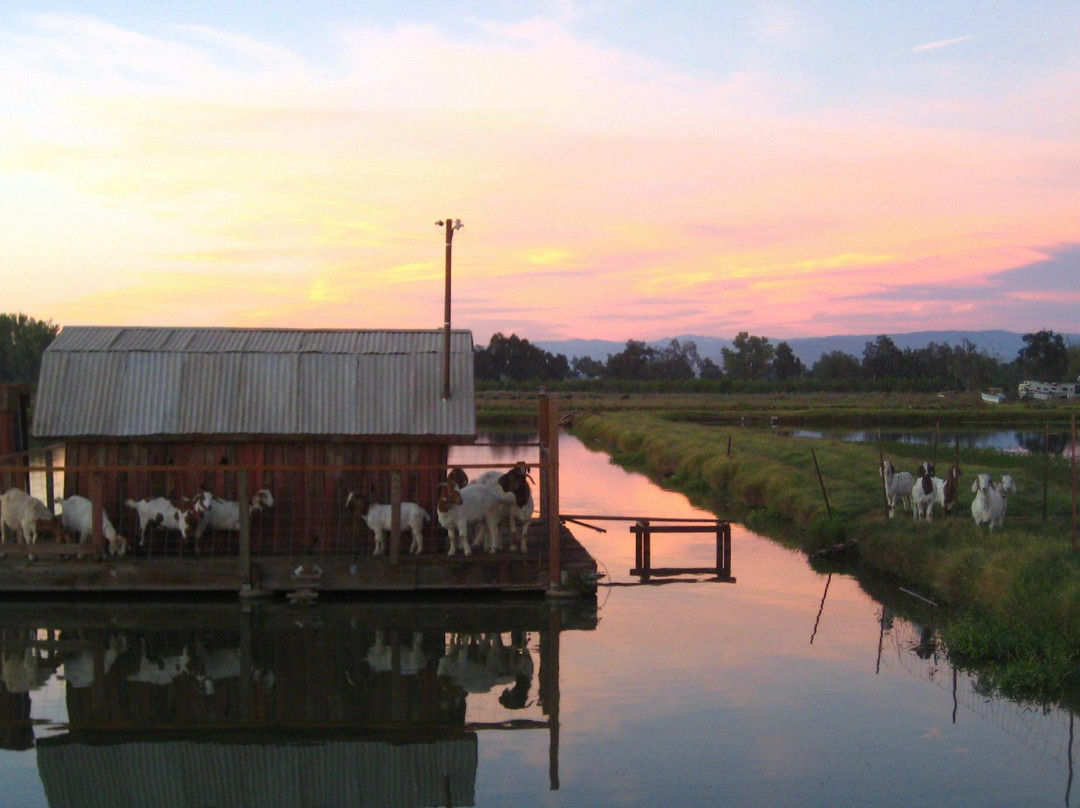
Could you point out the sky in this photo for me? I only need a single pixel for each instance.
(623, 170)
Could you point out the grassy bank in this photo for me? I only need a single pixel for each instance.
(1014, 595)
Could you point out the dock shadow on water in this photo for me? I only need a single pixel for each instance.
(347, 703)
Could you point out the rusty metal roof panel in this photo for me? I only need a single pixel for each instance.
(208, 390)
(274, 342)
(148, 396)
(217, 340)
(84, 338)
(128, 382)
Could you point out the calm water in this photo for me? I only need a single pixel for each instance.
(788, 687)
(1005, 440)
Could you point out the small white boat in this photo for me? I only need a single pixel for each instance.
(993, 395)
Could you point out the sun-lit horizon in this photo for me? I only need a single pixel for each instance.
(634, 170)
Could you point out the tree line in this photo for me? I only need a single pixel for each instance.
(22, 342)
(753, 362)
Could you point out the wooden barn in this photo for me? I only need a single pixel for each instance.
(305, 416)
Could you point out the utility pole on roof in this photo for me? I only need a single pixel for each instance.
(451, 225)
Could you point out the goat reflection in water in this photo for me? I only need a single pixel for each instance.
(477, 663)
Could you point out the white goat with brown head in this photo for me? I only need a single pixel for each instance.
(516, 508)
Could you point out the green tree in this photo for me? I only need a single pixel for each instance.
(22, 342)
(748, 358)
(785, 365)
(970, 369)
(1074, 362)
(1044, 356)
(587, 367)
(516, 359)
(836, 366)
(882, 359)
(631, 362)
(709, 370)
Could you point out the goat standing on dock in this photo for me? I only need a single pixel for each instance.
(26, 517)
(516, 511)
(378, 517)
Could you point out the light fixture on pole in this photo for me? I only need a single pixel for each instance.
(451, 225)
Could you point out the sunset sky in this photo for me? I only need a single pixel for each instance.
(623, 169)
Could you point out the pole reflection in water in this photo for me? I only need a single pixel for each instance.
(336, 704)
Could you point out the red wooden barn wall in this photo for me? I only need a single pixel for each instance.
(309, 504)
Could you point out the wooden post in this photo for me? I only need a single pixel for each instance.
(828, 509)
(881, 471)
(553, 524)
(243, 488)
(643, 536)
(395, 516)
(50, 483)
(727, 549)
(246, 665)
(549, 671)
(933, 458)
(638, 546)
(729, 445)
(97, 512)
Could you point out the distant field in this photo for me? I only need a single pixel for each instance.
(802, 409)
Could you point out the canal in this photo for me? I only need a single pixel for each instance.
(792, 685)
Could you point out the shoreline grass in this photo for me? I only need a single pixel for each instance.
(1013, 596)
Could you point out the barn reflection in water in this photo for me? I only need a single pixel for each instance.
(347, 703)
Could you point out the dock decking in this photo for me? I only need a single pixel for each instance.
(54, 569)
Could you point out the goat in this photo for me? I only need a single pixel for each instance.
(224, 514)
(927, 490)
(950, 491)
(898, 485)
(518, 509)
(77, 517)
(26, 517)
(168, 514)
(378, 517)
(380, 657)
(163, 671)
(458, 477)
(457, 509)
(79, 668)
(1005, 487)
(988, 507)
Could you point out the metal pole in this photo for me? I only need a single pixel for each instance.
(446, 312)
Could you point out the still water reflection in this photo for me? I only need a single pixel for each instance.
(792, 686)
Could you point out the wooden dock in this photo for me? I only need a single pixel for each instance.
(56, 569)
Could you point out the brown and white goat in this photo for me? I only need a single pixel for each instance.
(516, 501)
(27, 518)
(179, 515)
(950, 491)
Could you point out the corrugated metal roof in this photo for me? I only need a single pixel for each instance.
(329, 772)
(128, 382)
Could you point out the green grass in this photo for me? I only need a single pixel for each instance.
(1016, 592)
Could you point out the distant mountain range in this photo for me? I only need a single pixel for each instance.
(1002, 345)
